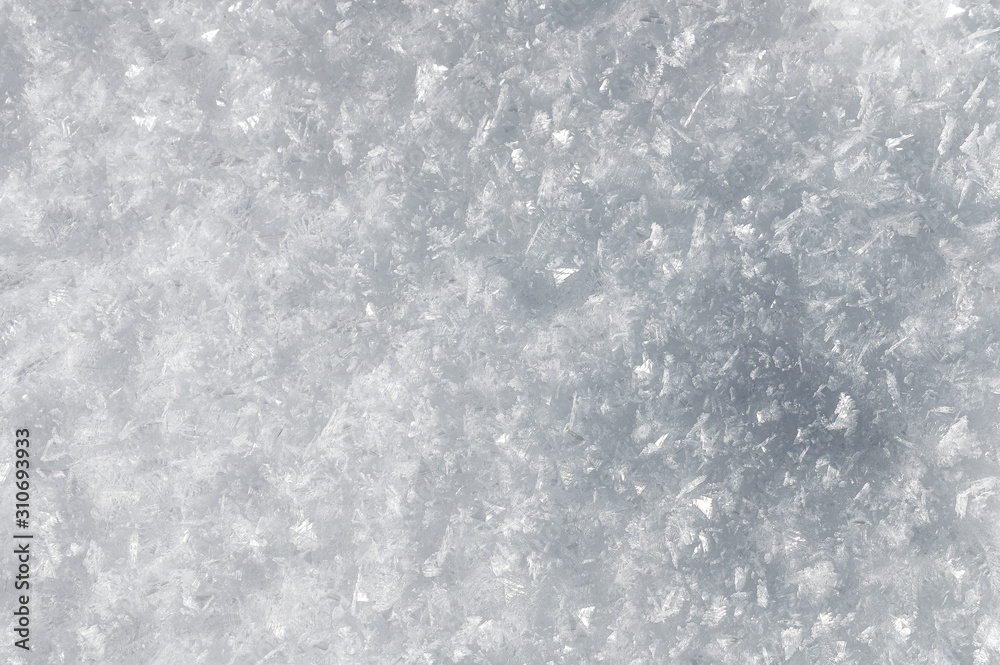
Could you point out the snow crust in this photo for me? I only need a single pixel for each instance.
(505, 332)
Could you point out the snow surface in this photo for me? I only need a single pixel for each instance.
(504, 332)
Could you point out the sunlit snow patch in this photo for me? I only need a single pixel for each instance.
(656, 235)
(562, 138)
(902, 625)
(954, 10)
(210, 35)
(645, 370)
(847, 415)
(251, 123)
(704, 504)
(744, 232)
(517, 156)
(654, 446)
(146, 121)
(562, 274)
(893, 143)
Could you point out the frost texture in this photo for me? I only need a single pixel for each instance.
(505, 332)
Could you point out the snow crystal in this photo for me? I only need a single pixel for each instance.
(817, 582)
(846, 415)
(704, 504)
(958, 443)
